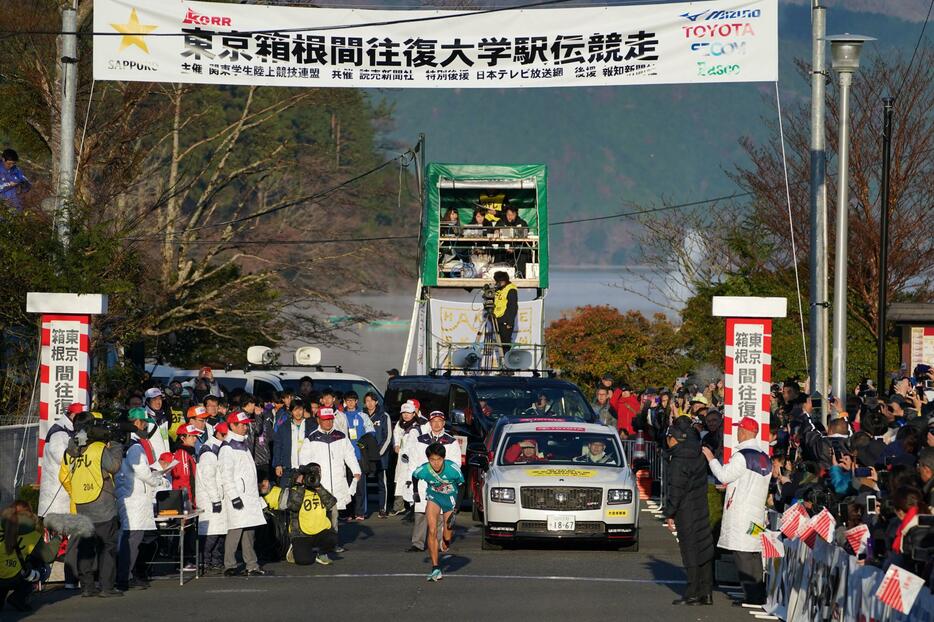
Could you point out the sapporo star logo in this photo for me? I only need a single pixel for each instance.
(133, 32)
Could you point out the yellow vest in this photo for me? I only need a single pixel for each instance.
(313, 517)
(10, 565)
(83, 476)
(499, 302)
(178, 418)
(273, 497)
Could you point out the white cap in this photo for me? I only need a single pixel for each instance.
(408, 407)
(153, 392)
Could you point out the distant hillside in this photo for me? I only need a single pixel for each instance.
(611, 147)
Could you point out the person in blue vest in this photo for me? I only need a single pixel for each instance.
(12, 181)
(747, 476)
(358, 426)
(288, 441)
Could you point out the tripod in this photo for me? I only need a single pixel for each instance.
(488, 336)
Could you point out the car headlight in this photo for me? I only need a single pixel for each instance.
(503, 495)
(618, 496)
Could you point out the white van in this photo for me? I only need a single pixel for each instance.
(262, 382)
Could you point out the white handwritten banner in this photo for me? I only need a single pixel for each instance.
(214, 43)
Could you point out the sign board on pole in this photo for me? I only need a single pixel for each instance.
(65, 343)
(63, 368)
(219, 43)
(747, 366)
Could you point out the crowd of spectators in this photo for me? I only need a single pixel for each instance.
(869, 459)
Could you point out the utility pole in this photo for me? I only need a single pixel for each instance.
(817, 318)
(66, 156)
(419, 295)
(887, 104)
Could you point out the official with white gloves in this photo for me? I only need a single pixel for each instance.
(242, 503)
(331, 449)
(212, 525)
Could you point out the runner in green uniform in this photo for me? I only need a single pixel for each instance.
(443, 478)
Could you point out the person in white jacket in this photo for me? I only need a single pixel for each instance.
(404, 436)
(136, 484)
(747, 476)
(212, 525)
(332, 451)
(452, 453)
(53, 498)
(242, 503)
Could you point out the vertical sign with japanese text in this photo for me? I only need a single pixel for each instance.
(63, 370)
(747, 377)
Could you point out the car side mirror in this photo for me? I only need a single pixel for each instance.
(480, 461)
(458, 417)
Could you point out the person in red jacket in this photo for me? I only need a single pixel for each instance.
(183, 478)
(627, 409)
(183, 475)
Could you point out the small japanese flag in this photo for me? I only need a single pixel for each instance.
(772, 545)
(792, 518)
(858, 537)
(899, 589)
(821, 524)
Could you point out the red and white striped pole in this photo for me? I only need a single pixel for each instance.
(747, 366)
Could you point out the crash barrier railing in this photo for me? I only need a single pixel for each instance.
(653, 460)
(18, 464)
(827, 583)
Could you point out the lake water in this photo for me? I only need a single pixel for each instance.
(380, 346)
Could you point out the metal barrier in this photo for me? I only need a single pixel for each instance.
(18, 463)
(655, 458)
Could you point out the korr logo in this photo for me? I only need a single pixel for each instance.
(192, 17)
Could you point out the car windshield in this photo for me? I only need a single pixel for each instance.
(560, 447)
(496, 402)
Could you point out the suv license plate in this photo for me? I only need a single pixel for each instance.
(560, 523)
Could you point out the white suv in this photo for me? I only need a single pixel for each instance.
(558, 480)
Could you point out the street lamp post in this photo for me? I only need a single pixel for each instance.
(844, 55)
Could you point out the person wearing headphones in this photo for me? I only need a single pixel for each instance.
(505, 307)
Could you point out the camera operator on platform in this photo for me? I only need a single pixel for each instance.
(505, 307)
(87, 473)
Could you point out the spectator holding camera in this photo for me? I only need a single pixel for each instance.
(87, 473)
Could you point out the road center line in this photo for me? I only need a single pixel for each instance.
(366, 575)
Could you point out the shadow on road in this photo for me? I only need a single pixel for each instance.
(666, 571)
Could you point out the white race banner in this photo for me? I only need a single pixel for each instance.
(218, 43)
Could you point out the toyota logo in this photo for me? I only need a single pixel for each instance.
(561, 497)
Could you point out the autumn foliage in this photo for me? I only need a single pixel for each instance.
(595, 340)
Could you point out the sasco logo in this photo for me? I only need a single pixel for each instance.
(722, 15)
(192, 17)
